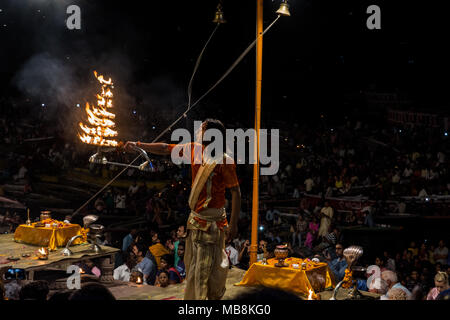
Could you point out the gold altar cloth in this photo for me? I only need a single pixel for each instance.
(316, 277)
(49, 237)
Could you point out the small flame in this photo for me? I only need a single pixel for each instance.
(42, 251)
(139, 280)
(81, 270)
(310, 295)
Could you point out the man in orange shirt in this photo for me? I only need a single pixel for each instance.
(205, 258)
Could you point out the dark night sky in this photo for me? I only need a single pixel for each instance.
(311, 59)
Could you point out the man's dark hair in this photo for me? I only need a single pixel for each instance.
(169, 259)
(182, 243)
(36, 290)
(214, 124)
(92, 291)
(141, 247)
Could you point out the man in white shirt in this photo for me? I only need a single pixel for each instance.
(441, 253)
(232, 253)
(309, 183)
(133, 189)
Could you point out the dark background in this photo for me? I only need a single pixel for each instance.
(312, 60)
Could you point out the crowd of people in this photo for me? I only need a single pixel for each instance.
(374, 161)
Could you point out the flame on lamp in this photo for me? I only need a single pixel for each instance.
(101, 131)
(138, 280)
(310, 295)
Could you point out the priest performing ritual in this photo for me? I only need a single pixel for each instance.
(205, 257)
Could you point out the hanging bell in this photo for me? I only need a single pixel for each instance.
(218, 17)
(284, 9)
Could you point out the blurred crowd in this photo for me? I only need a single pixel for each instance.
(390, 168)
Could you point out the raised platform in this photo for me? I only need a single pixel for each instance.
(11, 248)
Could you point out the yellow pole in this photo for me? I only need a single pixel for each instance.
(255, 204)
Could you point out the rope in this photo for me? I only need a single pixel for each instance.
(239, 59)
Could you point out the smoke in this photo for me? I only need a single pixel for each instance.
(48, 79)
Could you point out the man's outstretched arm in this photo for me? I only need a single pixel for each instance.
(155, 148)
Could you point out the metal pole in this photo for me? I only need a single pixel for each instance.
(255, 204)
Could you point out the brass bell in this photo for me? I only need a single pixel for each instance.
(218, 18)
(284, 9)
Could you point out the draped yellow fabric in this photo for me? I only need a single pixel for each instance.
(49, 237)
(316, 277)
(158, 250)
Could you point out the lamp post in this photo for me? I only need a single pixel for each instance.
(255, 202)
(284, 10)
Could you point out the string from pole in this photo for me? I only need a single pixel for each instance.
(239, 59)
(197, 63)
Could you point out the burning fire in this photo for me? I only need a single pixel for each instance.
(138, 280)
(42, 251)
(81, 270)
(101, 130)
(310, 295)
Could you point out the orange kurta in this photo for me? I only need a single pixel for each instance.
(224, 175)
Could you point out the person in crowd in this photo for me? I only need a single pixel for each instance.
(339, 264)
(157, 249)
(37, 290)
(390, 263)
(128, 240)
(144, 264)
(300, 231)
(326, 216)
(92, 292)
(123, 272)
(380, 261)
(167, 266)
(232, 253)
(181, 236)
(180, 265)
(244, 255)
(392, 281)
(163, 279)
(397, 294)
(440, 285)
(441, 253)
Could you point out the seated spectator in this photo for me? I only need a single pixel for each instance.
(167, 265)
(163, 279)
(380, 261)
(92, 292)
(36, 290)
(339, 264)
(441, 253)
(128, 240)
(181, 235)
(158, 250)
(144, 264)
(441, 284)
(397, 294)
(379, 286)
(232, 253)
(413, 280)
(392, 281)
(180, 266)
(123, 272)
(244, 256)
(88, 267)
